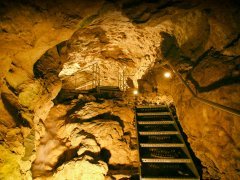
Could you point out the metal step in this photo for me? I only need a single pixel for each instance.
(162, 145)
(169, 178)
(158, 132)
(150, 106)
(160, 108)
(155, 122)
(167, 171)
(165, 160)
(159, 139)
(163, 153)
(153, 113)
(155, 118)
(156, 127)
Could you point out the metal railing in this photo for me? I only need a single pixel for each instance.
(93, 82)
(122, 78)
(96, 75)
(205, 101)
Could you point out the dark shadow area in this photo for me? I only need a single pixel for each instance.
(67, 156)
(225, 81)
(125, 170)
(105, 155)
(78, 106)
(233, 42)
(217, 84)
(115, 95)
(60, 46)
(202, 57)
(36, 70)
(131, 4)
(48, 65)
(11, 88)
(109, 116)
(196, 161)
(135, 177)
(65, 96)
(135, 12)
(92, 154)
(14, 111)
(70, 154)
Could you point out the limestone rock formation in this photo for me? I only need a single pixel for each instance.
(71, 141)
(214, 75)
(82, 168)
(50, 46)
(104, 42)
(27, 30)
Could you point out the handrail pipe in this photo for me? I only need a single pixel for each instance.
(205, 101)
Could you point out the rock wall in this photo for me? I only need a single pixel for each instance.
(27, 30)
(204, 48)
(43, 45)
(115, 44)
(85, 138)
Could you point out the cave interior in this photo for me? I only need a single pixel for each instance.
(119, 89)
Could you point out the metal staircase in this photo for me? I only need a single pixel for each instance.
(162, 150)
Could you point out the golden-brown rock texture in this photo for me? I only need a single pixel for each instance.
(44, 43)
(86, 133)
(27, 30)
(204, 48)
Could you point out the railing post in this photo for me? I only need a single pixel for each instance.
(119, 77)
(98, 75)
(93, 76)
(123, 80)
(75, 85)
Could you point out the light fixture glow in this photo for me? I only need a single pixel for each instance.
(135, 92)
(167, 74)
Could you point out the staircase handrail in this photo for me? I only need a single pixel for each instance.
(205, 101)
(94, 81)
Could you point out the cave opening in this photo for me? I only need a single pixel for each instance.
(124, 89)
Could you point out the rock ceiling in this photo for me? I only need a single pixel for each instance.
(43, 45)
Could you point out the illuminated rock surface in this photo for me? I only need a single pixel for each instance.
(82, 168)
(44, 44)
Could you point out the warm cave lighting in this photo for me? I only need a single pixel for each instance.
(167, 74)
(135, 92)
